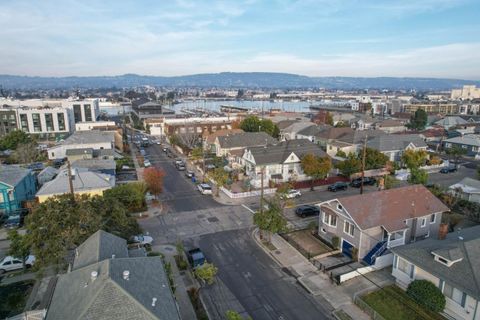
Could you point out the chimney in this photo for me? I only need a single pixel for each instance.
(94, 275)
(126, 275)
(442, 231)
(154, 300)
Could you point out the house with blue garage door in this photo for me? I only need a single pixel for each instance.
(367, 225)
(17, 184)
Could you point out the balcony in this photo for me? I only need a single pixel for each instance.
(396, 239)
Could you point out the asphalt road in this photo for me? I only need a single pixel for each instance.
(259, 284)
(180, 193)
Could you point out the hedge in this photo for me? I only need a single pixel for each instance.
(426, 294)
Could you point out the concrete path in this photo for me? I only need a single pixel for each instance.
(314, 281)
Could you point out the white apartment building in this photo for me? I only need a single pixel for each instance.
(466, 93)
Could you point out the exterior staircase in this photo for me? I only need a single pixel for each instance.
(376, 251)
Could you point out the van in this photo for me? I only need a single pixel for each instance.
(204, 188)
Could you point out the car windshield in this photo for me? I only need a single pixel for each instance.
(140, 238)
(206, 186)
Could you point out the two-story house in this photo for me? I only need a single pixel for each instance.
(232, 146)
(17, 184)
(279, 163)
(372, 223)
(451, 262)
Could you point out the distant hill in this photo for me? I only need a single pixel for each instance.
(232, 80)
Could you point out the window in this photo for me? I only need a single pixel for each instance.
(330, 219)
(61, 121)
(454, 294)
(37, 125)
(403, 266)
(348, 228)
(433, 218)
(88, 112)
(424, 222)
(24, 122)
(49, 121)
(77, 113)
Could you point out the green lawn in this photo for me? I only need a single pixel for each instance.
(14, 297)
(393, 304)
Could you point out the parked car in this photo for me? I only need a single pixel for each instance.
(339, 185)
(147, 163)
(307, 210)
(293, 193)
(178, 161)
(13, 222)
(181, 167)
(10, 263)
(189, 174)
(448, 169)
(367, 181)
(142, 239)
(165, 149)
(196, 257)
(204, 188)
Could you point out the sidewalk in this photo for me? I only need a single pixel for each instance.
(314, 281)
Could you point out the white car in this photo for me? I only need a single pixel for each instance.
(10, 263)
(147, 163)
(204, 188)
(293, 194)
(142, 239)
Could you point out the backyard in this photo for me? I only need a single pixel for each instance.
(306, 243)
(392, 303)
(14, 297)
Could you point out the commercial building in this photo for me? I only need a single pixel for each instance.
(443, 108)
(466, 93)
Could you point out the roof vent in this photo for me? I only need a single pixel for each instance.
(94, 275)
(154, 300)
(113, 256)
(126, 275)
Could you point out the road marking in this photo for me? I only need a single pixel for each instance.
(248, 208)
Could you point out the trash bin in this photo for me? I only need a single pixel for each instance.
(193, 179)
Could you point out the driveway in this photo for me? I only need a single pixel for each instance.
(257, 282)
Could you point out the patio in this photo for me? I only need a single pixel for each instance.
(306, 243)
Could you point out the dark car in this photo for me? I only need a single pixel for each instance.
(448, 170)
(13, 222)
(338, 186)
(307, 210)
(196, 257)
(367, 181)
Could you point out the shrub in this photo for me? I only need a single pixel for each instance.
(426, 294)
(335, 242)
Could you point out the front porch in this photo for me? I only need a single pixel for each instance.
(395, 238)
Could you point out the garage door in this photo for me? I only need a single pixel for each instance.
(347, 248)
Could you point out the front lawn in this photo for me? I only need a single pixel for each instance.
(14, 297)
(393, 304)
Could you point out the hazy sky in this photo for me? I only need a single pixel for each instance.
(427, 38)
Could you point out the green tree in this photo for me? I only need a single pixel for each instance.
(456, 153)
(220, 177)
(255, 124)
(329, 119)
(206, 272)
(58, 225)
(418, 176)
(196, 153)
(390, 182)
(418, 121)
(18, 245)
(233, 315)
(350, 165)
(130, 195)
(26, 152)
(414, 159)
(316, 167)
(341, 154)
(13, 139)
(270, 220)
(374, 159)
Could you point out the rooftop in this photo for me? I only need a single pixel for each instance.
(280, 152)
(394, 142)
(12, 174)
(89, 137)
(463, 244)
(245, 139)
(467, 185)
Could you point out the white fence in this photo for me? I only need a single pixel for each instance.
(234, 195)
(380, 263)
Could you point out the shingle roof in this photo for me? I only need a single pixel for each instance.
(451, 121)
(313, 130)
(79, 152)
(467, 185)
(82, 181)
(210, 137)
(95, 164)
(463, 275)
(280, 152)
(358, 136)
(389, 208)
(394, 142)
(334, 133)
(469, 140)
(110, 296)
(12, 174)
(245, 139)
(297, 126)
(99, 246)
(93, 136)
(285, 124)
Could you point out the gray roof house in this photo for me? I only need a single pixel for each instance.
(84, 182)
(452, 121)
(470, 142)
(106, 166)
(225, 145)
(280, 162)
(83, 140)
(47, 174)
(106, 283)
(394, 145)
(467, 189)
(451, 263)
(312, 132)
(291, 131)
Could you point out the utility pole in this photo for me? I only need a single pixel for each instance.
(261, 191)
(363, 163)
(70, 181)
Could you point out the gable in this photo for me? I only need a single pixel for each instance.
(292, 158)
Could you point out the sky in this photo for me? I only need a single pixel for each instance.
(365, 38)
